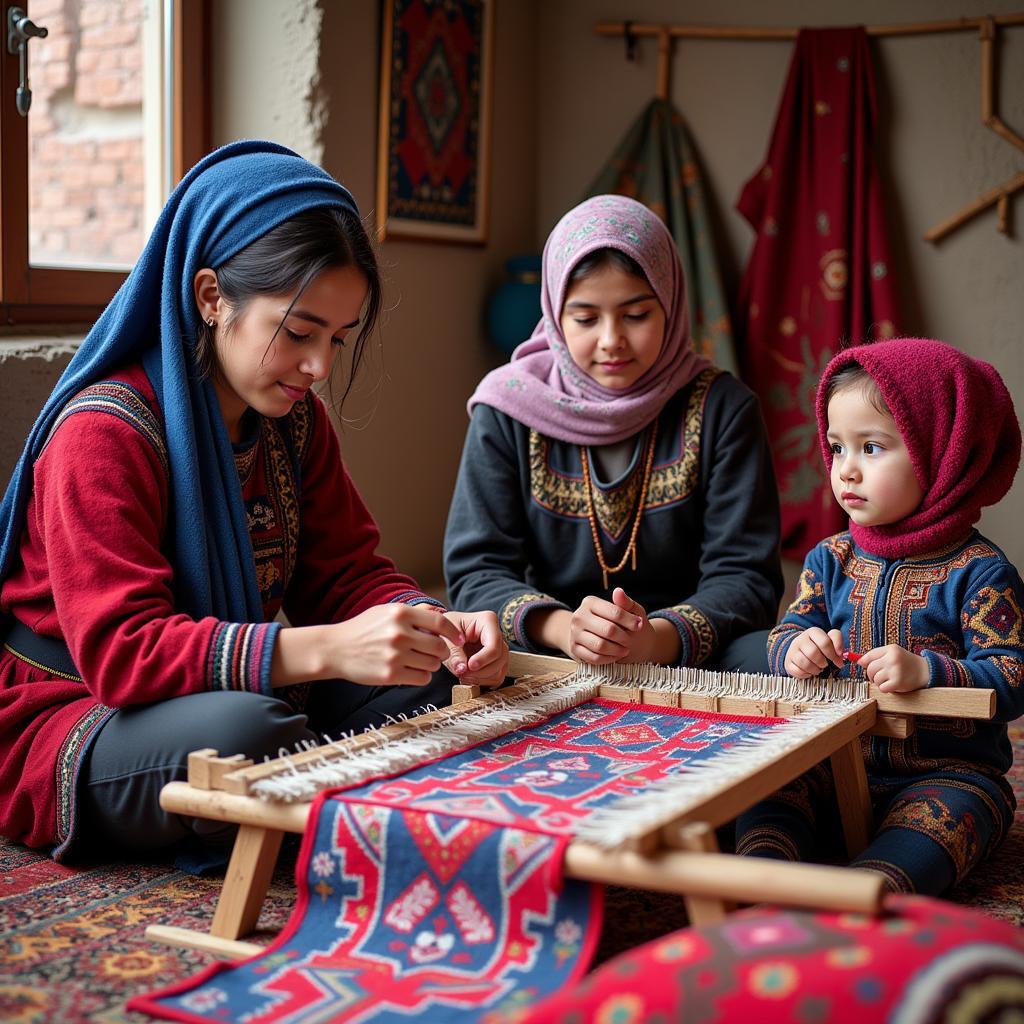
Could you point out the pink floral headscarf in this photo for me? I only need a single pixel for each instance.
(958, 424)
(542, 387)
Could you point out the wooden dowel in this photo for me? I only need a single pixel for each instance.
(1003, 209)
(189, 938)
(988, 33)
(618, 28)
(940, 231)
(727, 876)
(215, 804)
(664, 64)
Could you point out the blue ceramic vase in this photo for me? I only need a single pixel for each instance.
(514, 308)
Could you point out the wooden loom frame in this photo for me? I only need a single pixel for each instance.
(678, 854)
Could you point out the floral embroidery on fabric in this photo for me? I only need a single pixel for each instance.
(513, 613)
(259, 514)
(245, 461)
(698, 628)
(670, 482)
(284, 488)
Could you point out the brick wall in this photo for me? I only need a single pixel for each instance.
(86, 194)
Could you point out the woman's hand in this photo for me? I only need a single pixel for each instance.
(812, 651)
(388, 645)
(482, 658)
(895, 669)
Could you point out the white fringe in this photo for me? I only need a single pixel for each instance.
(706, 683)
(659, 802)
(340, 767)
(635, 814)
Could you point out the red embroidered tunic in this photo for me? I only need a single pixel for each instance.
(92, 570)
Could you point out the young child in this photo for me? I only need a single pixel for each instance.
(182, 485)
(918, 438)
(616, 500)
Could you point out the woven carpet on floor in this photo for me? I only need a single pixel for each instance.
(73, 949)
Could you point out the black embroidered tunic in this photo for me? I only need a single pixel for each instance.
(518, 537)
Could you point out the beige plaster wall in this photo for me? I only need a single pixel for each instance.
(310, 80)
(265, 73)
(29, 368)
(935, 153)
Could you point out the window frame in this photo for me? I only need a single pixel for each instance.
(48, 295)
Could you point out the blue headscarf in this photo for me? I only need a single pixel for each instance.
(229, 199)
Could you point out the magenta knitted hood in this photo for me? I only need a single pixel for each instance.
(958, 423)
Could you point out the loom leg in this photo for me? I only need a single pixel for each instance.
(246, 882)
(700, 837)
(851, 782)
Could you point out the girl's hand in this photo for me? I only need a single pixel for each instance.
(482, 658)
(812, 651)
(392, 644)
(602, 632)
(895, 669)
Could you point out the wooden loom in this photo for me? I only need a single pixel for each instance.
(678, 853)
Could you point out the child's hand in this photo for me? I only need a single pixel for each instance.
(812, 651)
(895, 669)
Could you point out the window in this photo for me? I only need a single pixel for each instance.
(120, 110)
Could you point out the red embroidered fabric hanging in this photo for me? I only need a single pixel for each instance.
(820, 270)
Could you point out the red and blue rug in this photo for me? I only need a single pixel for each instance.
(73, 946)
(439, 893)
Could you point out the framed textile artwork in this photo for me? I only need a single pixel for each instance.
(434, 131)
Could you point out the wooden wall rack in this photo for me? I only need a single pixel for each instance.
(986, 27)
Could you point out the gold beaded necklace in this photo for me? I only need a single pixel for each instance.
(630, 552)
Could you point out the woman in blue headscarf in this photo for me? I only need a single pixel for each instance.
(181, 486)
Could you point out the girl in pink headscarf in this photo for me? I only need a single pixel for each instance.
(918, 438)
(616, 500)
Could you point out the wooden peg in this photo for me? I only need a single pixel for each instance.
(660, 698)
(624, 694)
(664, 62)
(897, 727)
(462, 693)
(696, 702)
(206, 770)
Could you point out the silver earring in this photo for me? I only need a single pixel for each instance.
(210, 322)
